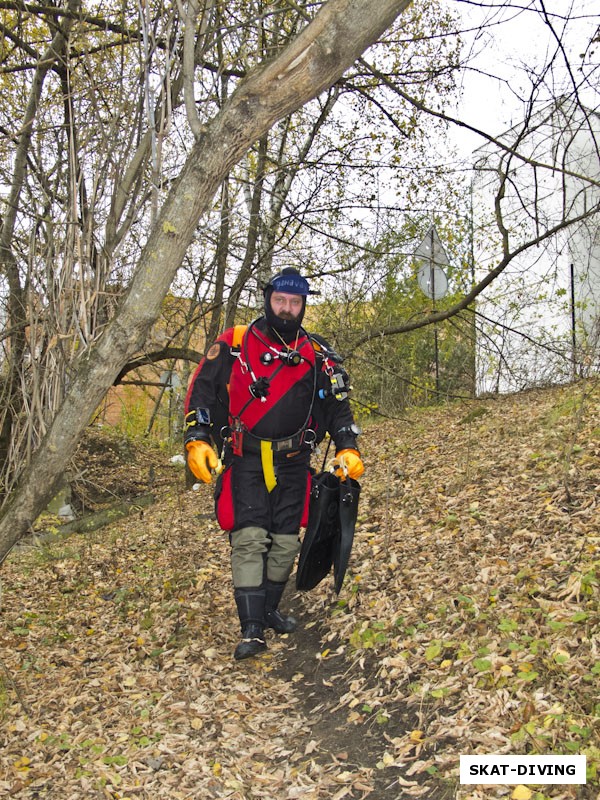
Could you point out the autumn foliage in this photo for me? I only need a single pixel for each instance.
(468, 623)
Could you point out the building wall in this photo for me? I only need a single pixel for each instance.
(526, 335)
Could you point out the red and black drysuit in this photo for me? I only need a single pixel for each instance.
(268, 403)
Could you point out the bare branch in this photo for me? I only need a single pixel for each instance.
(466, 301)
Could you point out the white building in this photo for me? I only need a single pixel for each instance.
(539, 321)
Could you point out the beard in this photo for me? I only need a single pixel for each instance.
(287, 315)
(285, 323)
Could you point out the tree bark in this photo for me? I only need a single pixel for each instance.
(339, 33)
(253, 229)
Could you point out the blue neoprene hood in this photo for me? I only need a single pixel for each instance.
(290, 283)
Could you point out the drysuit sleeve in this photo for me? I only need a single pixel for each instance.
(206, 402)
(334, 413)
(339, 422)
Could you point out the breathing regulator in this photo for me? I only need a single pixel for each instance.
(291, 358)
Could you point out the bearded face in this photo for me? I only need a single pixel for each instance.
(287, 306)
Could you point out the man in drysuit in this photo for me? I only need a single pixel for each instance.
(264, 395)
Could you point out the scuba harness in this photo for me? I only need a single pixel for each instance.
(332, 498)
(260, 388)
(252, 394)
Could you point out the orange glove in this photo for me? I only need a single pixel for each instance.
(350, 464)
(201, 459)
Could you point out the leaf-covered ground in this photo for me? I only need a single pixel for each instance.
(468, 623)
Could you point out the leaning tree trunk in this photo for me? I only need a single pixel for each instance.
(339, 33)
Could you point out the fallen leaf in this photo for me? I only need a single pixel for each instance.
(521, 792)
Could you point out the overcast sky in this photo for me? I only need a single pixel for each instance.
(513, 46)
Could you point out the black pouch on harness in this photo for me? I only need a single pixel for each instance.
(329, 532)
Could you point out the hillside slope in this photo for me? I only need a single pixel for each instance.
(469, 623)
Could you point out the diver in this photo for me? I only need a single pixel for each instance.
(264, 395)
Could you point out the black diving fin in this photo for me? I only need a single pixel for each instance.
(329, 532)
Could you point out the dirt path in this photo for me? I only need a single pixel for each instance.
(321, 683)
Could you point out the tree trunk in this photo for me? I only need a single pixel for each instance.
(17, 302)
(339, 33)
(222, 253)
(252, 237)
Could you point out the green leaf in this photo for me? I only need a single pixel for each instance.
(119, 761)
(433, 651)
(528, 676)
(579, 616)
(463, 598)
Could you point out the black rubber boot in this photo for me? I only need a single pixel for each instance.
(274, 619)
(251, 611)
(253, 642)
